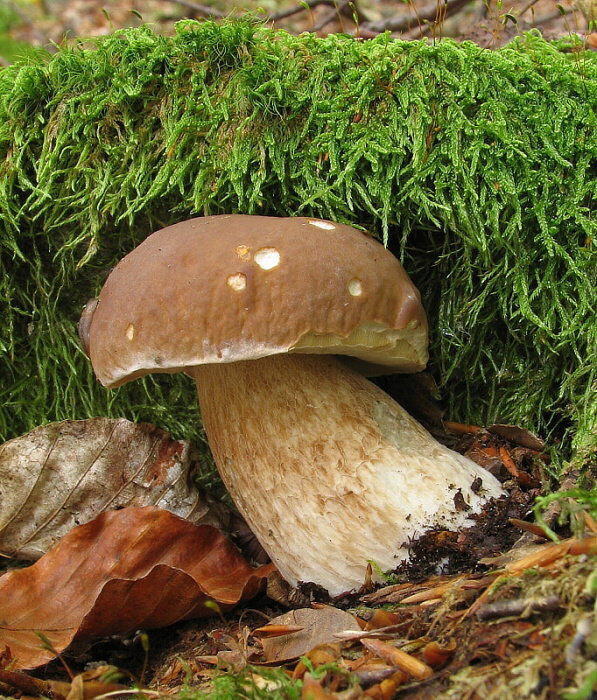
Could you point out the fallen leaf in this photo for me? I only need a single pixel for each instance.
(437, 655)
(545, 554)
(313, 690)
(319, 627)
(517, 436)
(382, 618)
(321, 655)
(64, 474)
(136, 568)
(433, 593)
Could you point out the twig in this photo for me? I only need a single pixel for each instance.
(526, 8)
(130, 691)
(297, 9)
(532, 528)
(340, 7)
(202, 10)
(544, 19)
(396, 657)
(427, 13)
(309, 4)
(517, 608)
(336, 13)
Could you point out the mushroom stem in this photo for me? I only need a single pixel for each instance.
(327, 469)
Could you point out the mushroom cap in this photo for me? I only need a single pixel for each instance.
(229, 288)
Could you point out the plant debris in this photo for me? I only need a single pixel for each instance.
(524, 630)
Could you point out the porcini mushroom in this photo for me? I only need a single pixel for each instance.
(326, 468)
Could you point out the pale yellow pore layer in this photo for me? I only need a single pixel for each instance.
(399, 349)
(327, 469)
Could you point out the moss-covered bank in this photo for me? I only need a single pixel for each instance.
(477, 167)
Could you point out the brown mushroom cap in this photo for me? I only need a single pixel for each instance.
(229, 288)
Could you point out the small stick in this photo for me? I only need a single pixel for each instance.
(517, 608)
(206, 11)
(461, 428)
(533, 528)
(309, 4)
(428, 594)
(202, 10)
(403, 22)
(405, 662)
(526, 8)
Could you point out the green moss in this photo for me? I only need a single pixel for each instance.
(476, 167)
(252, 683)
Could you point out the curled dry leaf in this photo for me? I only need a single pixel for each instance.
(517, 436)
(65, 474)
(136, 568)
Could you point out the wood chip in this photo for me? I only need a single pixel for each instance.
(398, 658)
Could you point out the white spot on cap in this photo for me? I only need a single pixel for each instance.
(130, 331)
(267, 258)
(237, 281)
(355, 288)
(322, 224)
(243, 252)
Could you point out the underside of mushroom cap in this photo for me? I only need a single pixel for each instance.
(229, 288)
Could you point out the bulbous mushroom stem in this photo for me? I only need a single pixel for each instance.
(327, 469)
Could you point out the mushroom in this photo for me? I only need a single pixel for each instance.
(328, 470)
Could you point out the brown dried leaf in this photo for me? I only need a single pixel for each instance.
(382, 618)
(437, 655)
(313, 690)
(65, 474)
(136, 568)
(517, 436)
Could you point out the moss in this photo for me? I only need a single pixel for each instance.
(476, 167)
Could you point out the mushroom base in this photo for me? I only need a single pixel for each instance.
(328, 470)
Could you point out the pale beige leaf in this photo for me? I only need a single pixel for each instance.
(65, 474)
(317, 627)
